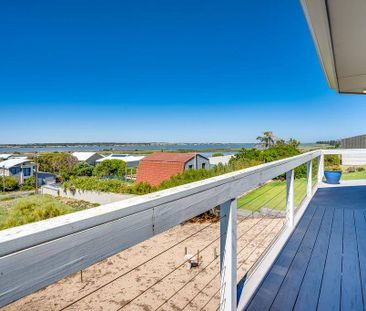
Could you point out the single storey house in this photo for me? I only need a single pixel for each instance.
(88, 157)
(214, 161)
(5, 156)
(160, 166)
(19, 168)
(131, 161)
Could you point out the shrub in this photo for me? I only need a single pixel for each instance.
(107, 185)
(29, 184)
(110, 168)
(56, 162)
(331, 162)
(82, 169)
(35, 208)
(8, 183)
(360, 169)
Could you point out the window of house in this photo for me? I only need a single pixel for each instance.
(14, 170)
(27, 171)
(203, 165)
(190, 166)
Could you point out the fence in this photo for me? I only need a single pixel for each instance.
(36, 255)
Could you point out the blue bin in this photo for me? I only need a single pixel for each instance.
(332, 177)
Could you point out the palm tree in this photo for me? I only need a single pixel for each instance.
(267, 140)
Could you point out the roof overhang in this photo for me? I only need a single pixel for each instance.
(338, 28)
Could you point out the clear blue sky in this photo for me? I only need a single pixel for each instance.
(163, 70)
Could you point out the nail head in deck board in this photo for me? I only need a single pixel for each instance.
(265, 295)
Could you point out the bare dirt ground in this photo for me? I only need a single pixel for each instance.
(141, 288)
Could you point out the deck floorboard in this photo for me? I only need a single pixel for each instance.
(323, 264)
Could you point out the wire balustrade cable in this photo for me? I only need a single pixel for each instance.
(194, 277)
(176, 268)
(242, 249)
(138, 266)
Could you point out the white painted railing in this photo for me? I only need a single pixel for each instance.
(35, 255)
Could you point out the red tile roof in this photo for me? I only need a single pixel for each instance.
(160, 166)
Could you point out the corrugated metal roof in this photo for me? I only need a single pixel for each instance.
(83, 156)
(13, 162)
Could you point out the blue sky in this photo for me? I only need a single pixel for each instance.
(162, 70)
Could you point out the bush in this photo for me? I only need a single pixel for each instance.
(110, 168)
(107, 185)
(332, 162)
(360, 169)
(29, 184)
(56, 162)
(82, 169)
(35, 208)
(8, 183)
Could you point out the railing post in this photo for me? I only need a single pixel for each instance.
(228, 261)
(309, 175)
(290, 197)
(320, 168)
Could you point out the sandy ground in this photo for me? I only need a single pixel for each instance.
(140, 289)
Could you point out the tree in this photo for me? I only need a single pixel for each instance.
(110, 168)
(56, 162)
(267, 140)
(293, 142)
(82, 169)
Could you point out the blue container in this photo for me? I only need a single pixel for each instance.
(332, 177)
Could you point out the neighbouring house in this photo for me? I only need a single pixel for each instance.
(131, 161)
(5, 156)
(160, 166)
(88, 157)
(19, 168)
(220, 160)
(45, 178)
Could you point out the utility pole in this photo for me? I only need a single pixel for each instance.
(36, 173)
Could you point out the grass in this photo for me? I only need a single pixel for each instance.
(354, 175)
(272, 195)
(22, 210)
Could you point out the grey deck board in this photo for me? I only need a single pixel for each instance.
(360, 222)
(264, 298)
(307, 298)
(323, 264)
(287, 294)
(330, 292)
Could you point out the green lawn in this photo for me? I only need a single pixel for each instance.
(354, 175)
(21, 210)
(272, 195)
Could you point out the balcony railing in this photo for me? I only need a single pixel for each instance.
(38, 254)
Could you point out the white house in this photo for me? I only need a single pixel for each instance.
(220, 160)
(19, 168)
(5, 156)
(131, 161)
(88, 157)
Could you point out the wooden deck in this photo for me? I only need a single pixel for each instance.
(323, 264)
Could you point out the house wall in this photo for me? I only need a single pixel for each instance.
(92, 160)
(197, 162)
(19, 177)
